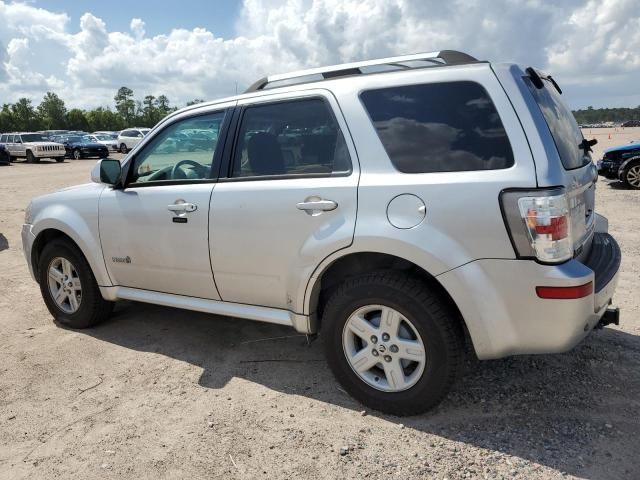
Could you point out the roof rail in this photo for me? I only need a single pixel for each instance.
(443, 57)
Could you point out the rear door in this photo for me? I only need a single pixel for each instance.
(288, 201)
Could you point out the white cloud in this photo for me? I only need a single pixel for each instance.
(592, 47)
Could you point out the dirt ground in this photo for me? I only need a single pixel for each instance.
(163, 393)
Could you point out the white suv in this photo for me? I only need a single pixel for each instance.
(397, 207)
(32, 147)
(129, 138)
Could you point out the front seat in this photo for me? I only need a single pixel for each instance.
(264, 155)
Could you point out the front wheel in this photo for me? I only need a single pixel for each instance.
(392, 342)
(69, 288)
(123, 148)
(59, 159)
(31, 158)
(631, 177)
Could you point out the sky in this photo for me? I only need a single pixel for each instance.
(85, 50)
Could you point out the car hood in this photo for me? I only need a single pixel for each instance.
(44, 144)
(621, 148)
(86, 145)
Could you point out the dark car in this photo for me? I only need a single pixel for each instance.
(631, 123)
(5, 159)
(623, 163)
(80, 146)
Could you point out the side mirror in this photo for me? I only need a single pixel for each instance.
(107, 171)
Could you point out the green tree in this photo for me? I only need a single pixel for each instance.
(149, 111)
(7, 122)
(77, 120)
(24, 115)
(195, 101)
(52, 112)
(125, 104)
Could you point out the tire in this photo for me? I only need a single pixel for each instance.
(91, 308)
(31, 158)
(631, 176)
(59, 159)
(434, 322)
(76, 154)
(12, 159)
(123, 149)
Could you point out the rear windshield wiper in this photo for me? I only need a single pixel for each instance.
(536, 79)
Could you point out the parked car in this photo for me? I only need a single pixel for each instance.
(106, 140)
(83, 146)
(623, 163)
(631, 123)
(130, 137)
(5, 158)
(31, 146)
(418, 206)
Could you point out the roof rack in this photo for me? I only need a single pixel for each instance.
(443, 57)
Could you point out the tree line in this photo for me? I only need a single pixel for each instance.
(52, 114)
(601, 115)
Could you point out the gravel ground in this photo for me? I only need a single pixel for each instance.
(163, 393)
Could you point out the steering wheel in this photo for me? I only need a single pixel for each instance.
(176, 172)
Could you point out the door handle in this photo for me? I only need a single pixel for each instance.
(182, 207)
(315, 206)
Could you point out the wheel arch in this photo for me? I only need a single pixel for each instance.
(80, 237)
(356, 263)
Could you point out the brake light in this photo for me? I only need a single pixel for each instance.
(539, 223)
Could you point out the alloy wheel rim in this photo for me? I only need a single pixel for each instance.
(633, 176)
(76, 155)
(383, 348)
(64, 285)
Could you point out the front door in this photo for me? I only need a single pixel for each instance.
(289, 199)
(154, 232)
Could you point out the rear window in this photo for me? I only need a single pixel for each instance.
(439, 127)
(563, 126)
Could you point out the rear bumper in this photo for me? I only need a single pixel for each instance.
(504, 315)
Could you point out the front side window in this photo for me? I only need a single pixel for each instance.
(299, 137)
(34, 137)
(182, 151)
(439, 127)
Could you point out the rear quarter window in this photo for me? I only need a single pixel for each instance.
(439, 127)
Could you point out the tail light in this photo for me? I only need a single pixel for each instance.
(539, 223)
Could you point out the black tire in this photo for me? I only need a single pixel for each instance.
(630, 175)
(92, 309)
(12, 159)
(31, 158)
(123, 149)
(59, 159)
(435, 321)
(76, 154)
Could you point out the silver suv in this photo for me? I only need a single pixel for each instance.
(399, 207)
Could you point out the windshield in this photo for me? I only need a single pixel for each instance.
(103, 137)
(33, 137)
(562, 125)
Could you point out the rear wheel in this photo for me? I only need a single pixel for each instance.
(31, 158)
(392, 342)
(631, 176)
(76, 154)
(69, 288)
(123, 148)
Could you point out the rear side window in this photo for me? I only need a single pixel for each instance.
(299, 137)
(439, 127)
